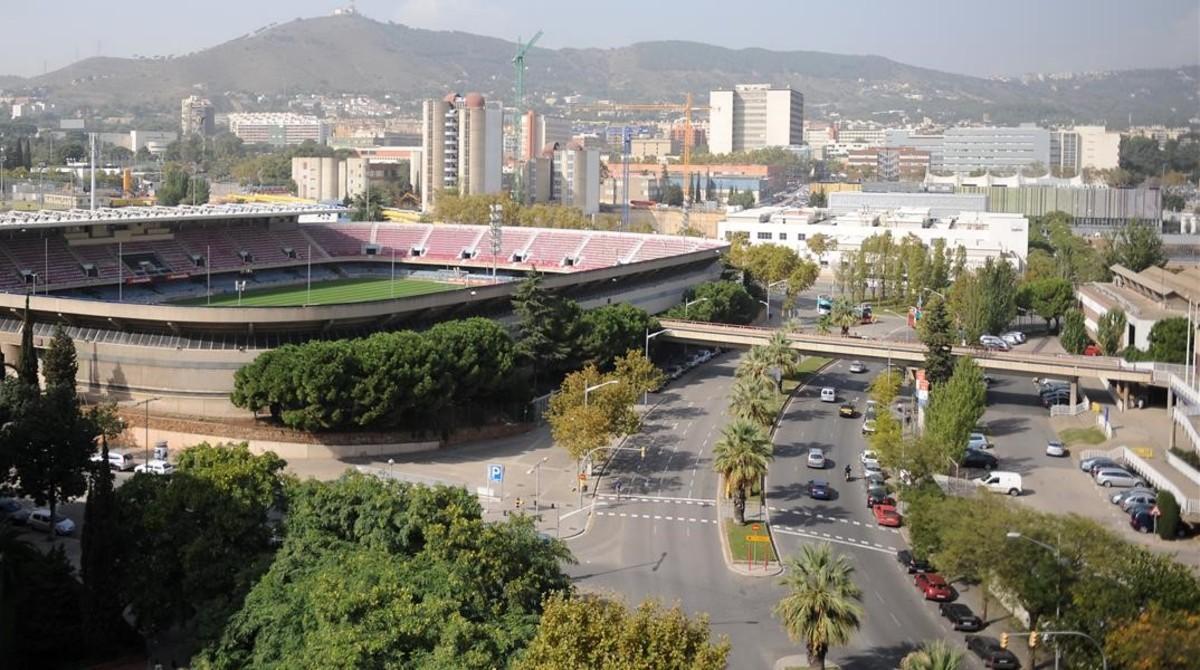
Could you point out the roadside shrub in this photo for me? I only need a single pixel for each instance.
(1168, 521)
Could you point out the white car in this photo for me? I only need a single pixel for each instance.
(858, 366)
(816, 459)
(1013, 338)
(828, 394)
(993, 342)
(156, 467)
(868, 455)
(978, 441)
(872, 467)
(117, 460)
(1056, 449)
(868, 427)
(39, 519)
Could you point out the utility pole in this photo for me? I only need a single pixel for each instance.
(92, 161)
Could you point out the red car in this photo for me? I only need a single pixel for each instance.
(886, 515)
(1092, 350)
(933, 586)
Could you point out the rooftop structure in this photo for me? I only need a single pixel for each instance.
(84, 217)
(1146, 297)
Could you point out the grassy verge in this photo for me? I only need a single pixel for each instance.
(1081, 436)
(740, 548)
(807, 368)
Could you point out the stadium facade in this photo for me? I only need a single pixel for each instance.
(114, 279)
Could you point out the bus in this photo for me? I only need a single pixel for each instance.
(824, 305)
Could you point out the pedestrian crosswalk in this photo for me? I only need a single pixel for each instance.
(655, 517)
(702, 502)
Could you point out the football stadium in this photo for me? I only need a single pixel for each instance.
(168, 303)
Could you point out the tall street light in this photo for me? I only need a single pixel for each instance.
(689, 303)
(1014, 535)
(650, 336)
(537, 483)
(146, 404)
(589, 389)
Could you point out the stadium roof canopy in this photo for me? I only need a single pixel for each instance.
(85, 217)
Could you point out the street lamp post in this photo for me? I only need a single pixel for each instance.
(768, 302)
(689, 303)
(536, 471)
(146, 440)
(1014, 535)
(589, 389)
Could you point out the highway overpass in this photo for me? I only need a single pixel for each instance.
(1056, 366)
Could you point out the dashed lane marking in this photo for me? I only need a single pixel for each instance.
(825, 536)
(655, 517)
(824, 517)
(703, 502)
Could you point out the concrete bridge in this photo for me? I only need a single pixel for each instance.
(1055, 366)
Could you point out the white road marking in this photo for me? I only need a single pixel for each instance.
(814, 536)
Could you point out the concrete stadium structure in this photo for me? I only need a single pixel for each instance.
(134, 345)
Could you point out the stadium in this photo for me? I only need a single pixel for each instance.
(167, 303)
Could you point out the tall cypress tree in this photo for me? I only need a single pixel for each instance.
(28, 153)
(103, 627)
(27, 366)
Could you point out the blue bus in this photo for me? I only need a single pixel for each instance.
(824, 305)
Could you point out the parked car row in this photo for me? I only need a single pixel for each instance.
(1003, 341)
(1139, 500)
(36, 519)
(695, 357)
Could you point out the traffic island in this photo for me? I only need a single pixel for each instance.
(749, 549)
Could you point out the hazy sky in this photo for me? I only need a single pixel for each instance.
(966, 36)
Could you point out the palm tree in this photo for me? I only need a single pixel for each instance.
(843, 315)
(741, 457)
(933, 655)
(750, 399)
(756, 363)
(822, 606)
(781, 356)
(824, 324)
(367, 208)
(794, 325)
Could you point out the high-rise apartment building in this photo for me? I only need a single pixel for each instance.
(1092, 147)
(754, 117)
(462, 140)
(278, 129)
(539, 131)
(966, 150)
(196, 116)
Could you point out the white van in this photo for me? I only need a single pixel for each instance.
(121, 461)
(999, 481)
(828, 394)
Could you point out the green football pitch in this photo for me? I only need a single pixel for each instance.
(335, 292)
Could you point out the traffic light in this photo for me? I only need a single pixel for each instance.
(643, 452)
(518, 503)
(1033, 639)
(1004, 641)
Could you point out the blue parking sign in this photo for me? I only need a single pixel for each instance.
(495, 472)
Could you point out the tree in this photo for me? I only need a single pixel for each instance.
(1073, 335)
(191, 546)
(822, 607)
(581, 427)
(801, 279)
(174, 188)
(818, 199)
(638, 372)
(1136, 246)
(933, 655)
(985, 301)
(1168, 520)
(595, 631)
(1110, 331)
(723, 302)
(367, 207)
(935, 331)
(1051, 298)
(741, 457)
(103, 625)
(609, 331)
(750, 399)
(955, 408)
(59, 367)
(27, 364)
(1155, 640)
(844, 315)
(820, 243)
(548, 327)
(1167, 342)
(780, 356)
(885, 387)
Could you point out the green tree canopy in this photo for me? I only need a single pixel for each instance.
(1110, 331)
(722, 302)
(1167, 342)
(1073, 336)
(955, 408)
(742, 457)
(937, 335)
(609, 331)
(549, 329)
(1137, 246)
(822, 607)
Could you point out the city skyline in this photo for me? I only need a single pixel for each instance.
(1104, 35)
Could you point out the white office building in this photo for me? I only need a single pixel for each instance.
(754, 117)
(984, 235)
(462, 141)
(1084, 147)
(967, 150)
(278, 129)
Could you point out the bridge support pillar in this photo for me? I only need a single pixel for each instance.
(1171, 417)
(1074, 391)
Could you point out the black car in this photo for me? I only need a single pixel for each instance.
(960, 616)
(911, 563)
(819, 490)
(974, 458)
(878, 495)
(988, 649)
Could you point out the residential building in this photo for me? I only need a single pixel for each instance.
(149, 138)
(1146, 297)
(196, 116)
(972, 149)
(575, 178)
(872, 136)
(641, 148)
(983, 235)
(890, 163)
(539, 131)
(931, 143)
(328, 179)
(1160, 134)
(278, 129)
(462, 141)
(699, 134)
(754, 117)
(1091, 147)
(818, 135)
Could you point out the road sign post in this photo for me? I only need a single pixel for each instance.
(495, 475)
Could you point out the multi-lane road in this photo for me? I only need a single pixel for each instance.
(661, 538)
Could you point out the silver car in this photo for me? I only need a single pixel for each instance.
(1118, 497)
(816, 458)
(1109, 477)
(1139, 499)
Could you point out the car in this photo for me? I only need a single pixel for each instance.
(1013, 337)
(960, 616)
(1119, 496)
(878, 495)
(117, 460)
(993, 343)
(933, 586)
(871, 408)
(886, 515)
(974, 458)
(868, 427)
(1139, 499)
(1138, 508)
(828, 394)
(816, 458)
(868, 455)
(858, 367)
(872, 468)
(978, 441)
(1090, 465)
(1056, 398)
(675, 372)
(847, 410)
(39, 519)
(156, 467)
(1142, 522)
(1056, 449)
(14, 511)
(1109, 477)
(1001, 482)
(911, 563)
(989, 651)
(988, 380)
(1093, 350)
(873, 478)
(819, 489)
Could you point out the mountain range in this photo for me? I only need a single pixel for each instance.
(354, 54)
